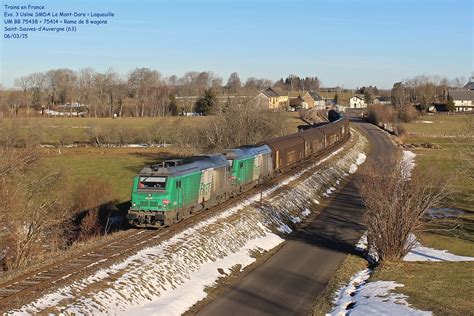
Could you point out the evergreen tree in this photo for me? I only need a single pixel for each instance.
(206, 104)
(450, 104)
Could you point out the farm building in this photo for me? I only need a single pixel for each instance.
(357, 102)
(463, 100)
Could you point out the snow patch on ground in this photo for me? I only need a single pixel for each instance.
(373, 298)
(408, 163)
(360, 160)
(284, 229)
(295, 219)
(426, 122)
(353, 168)
(422, 253)
(418, 252)
(360, 297)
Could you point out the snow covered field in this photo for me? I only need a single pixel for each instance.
(169, 278)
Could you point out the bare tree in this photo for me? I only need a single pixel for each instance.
(234, 83)
(141, 82)
(85, 86)
(32, 86)
(395, 200)
(242, 124)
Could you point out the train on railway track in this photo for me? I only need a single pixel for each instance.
(167, 192)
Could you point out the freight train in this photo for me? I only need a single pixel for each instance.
(167, 192)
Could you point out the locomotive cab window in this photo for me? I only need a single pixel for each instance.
(152, 183)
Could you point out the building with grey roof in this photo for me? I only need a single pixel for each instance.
(463, 100)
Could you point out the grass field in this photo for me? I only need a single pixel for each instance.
(115, 166)
(455, 135)
(71, 130)
(442, 287)
(75, 130)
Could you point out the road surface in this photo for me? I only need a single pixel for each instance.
(289, 282)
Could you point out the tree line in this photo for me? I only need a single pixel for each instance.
(424, 90)
(141, 92)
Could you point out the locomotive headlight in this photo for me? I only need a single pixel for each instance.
(134, 204)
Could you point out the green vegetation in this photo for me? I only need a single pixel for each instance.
(442, 287)
(206, 104)
(115, 166)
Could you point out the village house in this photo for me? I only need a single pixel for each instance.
(319, 103)
(273, 98)
(301, 99)
(357, 102)
(382, 100)
(463, 100)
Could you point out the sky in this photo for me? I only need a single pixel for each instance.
(344, 43)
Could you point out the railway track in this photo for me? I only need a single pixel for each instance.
(31, 285)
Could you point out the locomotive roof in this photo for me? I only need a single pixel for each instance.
(178, 167)
(246, 151)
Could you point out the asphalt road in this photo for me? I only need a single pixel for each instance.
(289, 282)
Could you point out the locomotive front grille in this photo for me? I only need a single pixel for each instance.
(143, 203)
(153, 204)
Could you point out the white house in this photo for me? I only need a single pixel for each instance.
(357, 102)
(463, 100)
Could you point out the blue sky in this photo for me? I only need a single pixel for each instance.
(347, 43)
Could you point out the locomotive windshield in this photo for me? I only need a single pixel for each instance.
(152, 183)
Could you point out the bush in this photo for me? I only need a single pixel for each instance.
(379, 114)
(400, 130)
(407, 113)
(240, 125)
(88, 199)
